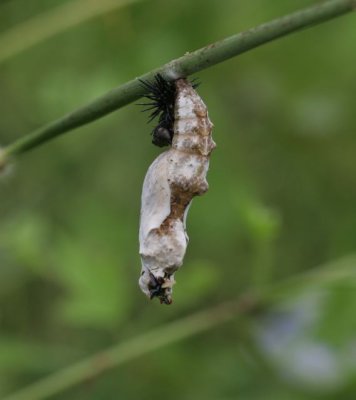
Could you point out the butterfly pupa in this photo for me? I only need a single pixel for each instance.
(171, 182)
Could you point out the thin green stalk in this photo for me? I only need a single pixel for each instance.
(183, 66)
(52, 22)
(93, 366)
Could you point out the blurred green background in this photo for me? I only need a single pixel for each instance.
(282, 201)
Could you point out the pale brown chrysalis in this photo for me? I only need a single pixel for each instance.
(171, 182)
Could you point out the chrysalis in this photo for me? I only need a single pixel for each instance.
(172, 180)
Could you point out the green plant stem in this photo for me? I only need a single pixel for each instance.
(52, 22)
(183, 66)
(133, 348)
(92, 367)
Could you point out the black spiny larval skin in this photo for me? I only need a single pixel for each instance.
(162, 96)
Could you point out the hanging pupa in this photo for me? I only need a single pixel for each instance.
(171, 182)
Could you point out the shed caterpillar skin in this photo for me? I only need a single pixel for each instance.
(171, 182)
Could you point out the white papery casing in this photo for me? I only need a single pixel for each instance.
(172, 180)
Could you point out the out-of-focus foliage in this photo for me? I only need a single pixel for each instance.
(281, 201)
